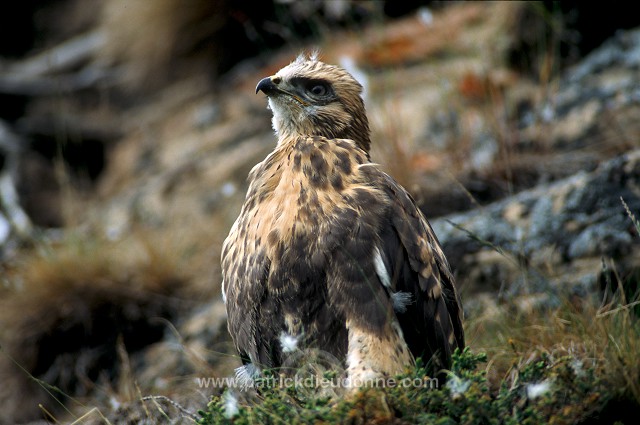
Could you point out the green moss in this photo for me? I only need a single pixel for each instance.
(543, 390)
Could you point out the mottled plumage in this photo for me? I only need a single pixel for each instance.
(330, 252)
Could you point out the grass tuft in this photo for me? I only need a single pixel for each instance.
(73, 312)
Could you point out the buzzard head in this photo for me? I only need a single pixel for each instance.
(312, 98)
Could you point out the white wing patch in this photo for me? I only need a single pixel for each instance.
(381, 269)
(399, 299)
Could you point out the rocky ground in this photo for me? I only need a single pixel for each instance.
(110, 253)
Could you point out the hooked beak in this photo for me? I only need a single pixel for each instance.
(269, 87)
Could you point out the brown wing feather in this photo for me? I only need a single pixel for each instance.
(432, 323)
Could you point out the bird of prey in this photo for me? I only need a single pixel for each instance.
(329, 251)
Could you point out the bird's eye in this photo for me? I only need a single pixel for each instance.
(319, 89)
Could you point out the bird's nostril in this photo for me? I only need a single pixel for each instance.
(276, 80)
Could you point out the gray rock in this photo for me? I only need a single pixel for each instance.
(575, 219)
(14, 222)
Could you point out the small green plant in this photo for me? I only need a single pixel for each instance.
(542, 389)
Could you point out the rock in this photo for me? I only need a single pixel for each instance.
(526, 135)
(15, 225)
(552, 226)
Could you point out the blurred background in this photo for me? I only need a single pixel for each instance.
(127, 129)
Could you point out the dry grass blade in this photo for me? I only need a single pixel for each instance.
(78, 308)
(635, 221)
